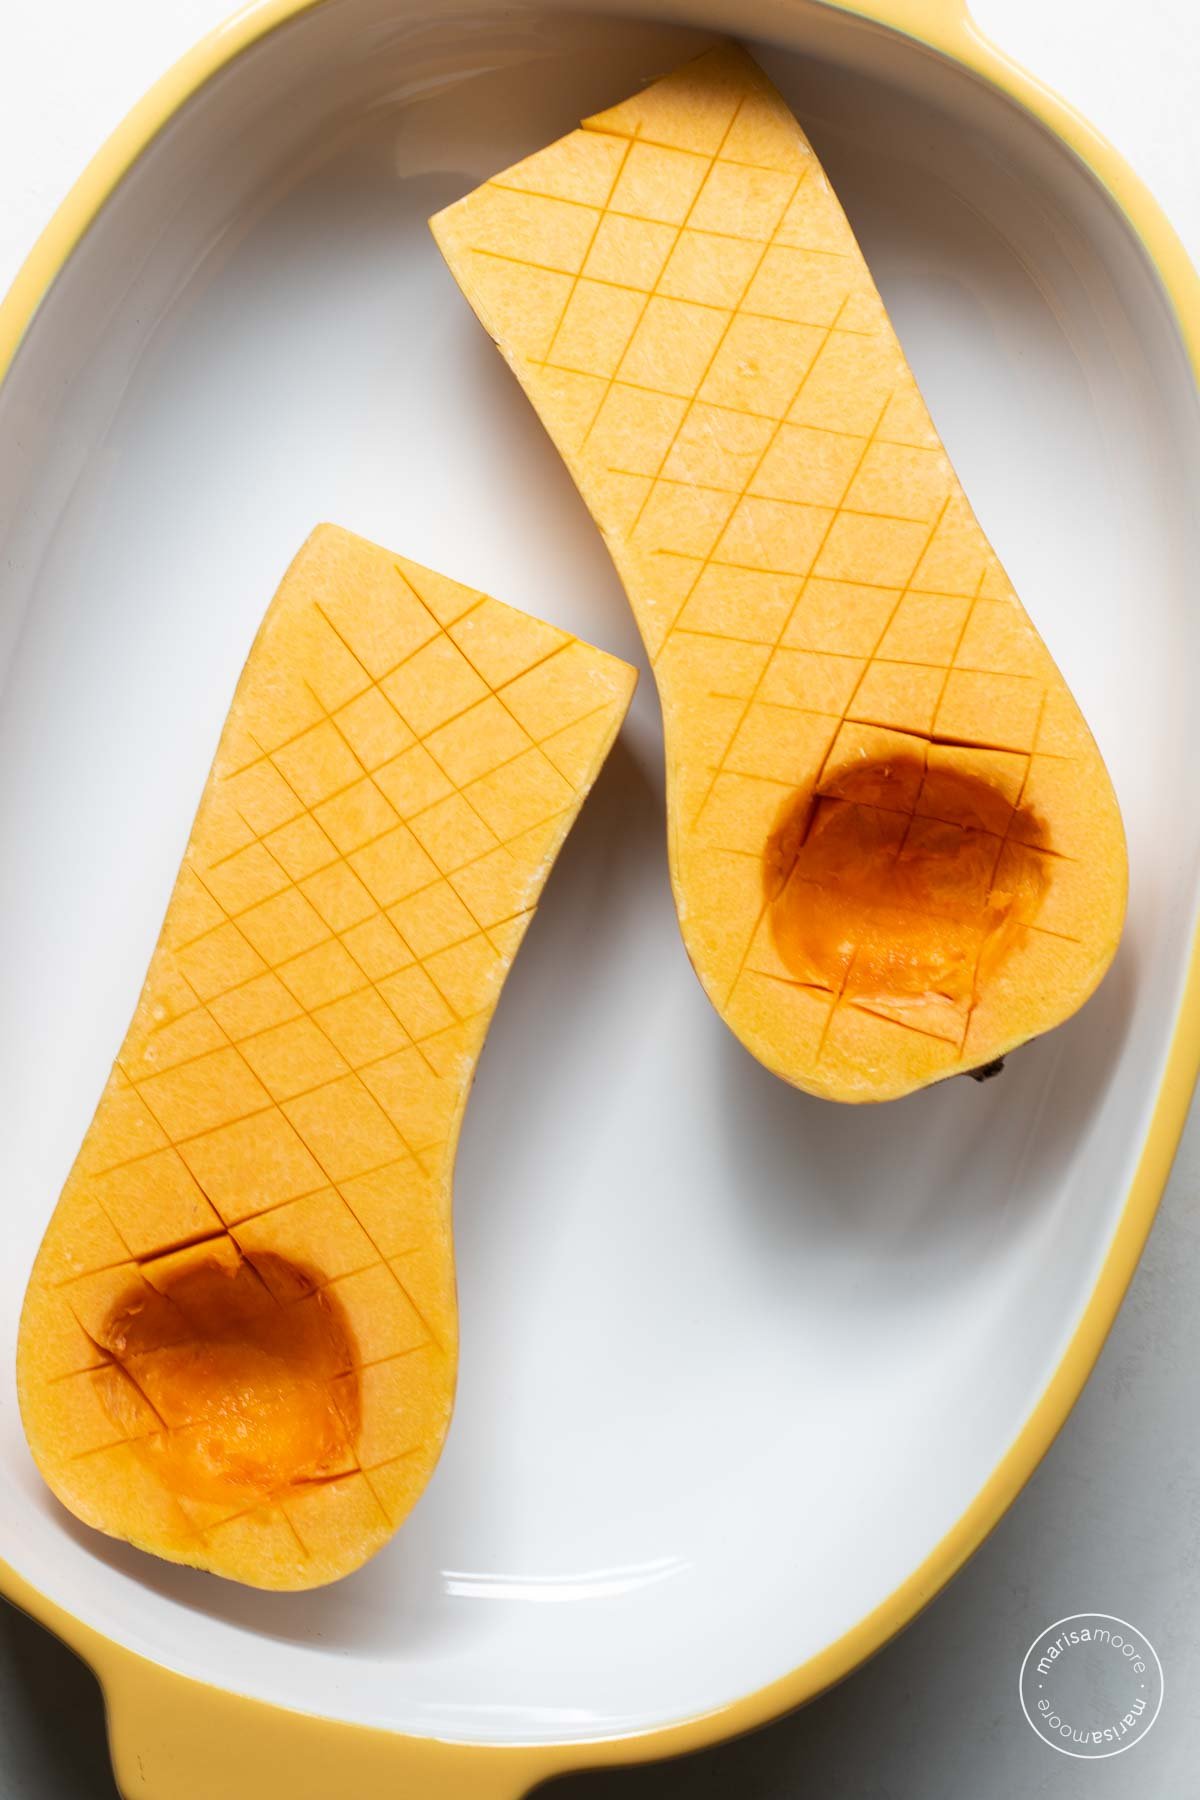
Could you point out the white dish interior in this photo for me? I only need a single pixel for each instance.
(733, 1359)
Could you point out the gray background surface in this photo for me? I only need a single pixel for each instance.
(1111, 1521)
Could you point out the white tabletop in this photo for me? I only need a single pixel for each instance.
(1110, 1522)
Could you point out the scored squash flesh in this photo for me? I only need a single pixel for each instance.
(239, 1342)
(895, 850)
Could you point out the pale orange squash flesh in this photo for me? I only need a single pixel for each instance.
(239, 1342)
(895, 850)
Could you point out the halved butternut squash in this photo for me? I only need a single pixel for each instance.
(239, 1342)
(895, 850)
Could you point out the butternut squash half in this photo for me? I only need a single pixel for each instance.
(238, 1346)
(895, 850)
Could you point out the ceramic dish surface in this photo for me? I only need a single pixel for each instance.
(734, 1361)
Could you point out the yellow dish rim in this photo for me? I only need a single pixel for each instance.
(176, 1738)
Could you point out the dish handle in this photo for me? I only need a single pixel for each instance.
(945, 24)
(172, 1738)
